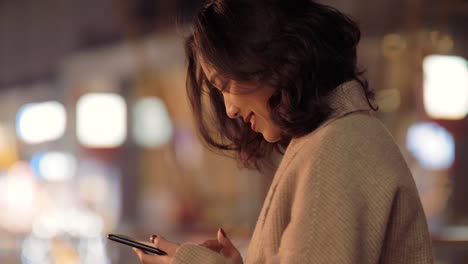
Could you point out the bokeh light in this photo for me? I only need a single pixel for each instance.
(101, 120)
(8, 148)
(18, 193)
(445, 86)
(41, 122)
(152, 125)
(431, 145)
(36, 251)
(54, 166)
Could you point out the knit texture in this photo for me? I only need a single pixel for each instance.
(342, 194)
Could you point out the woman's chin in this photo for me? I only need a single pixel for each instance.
(271, 138)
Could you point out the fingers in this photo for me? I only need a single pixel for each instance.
(166, 246)
(228, 250)
(139, 253)
(151, 259)
(224, 240)
(213, 245)
(161, 243)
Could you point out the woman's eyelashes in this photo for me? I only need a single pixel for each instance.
(222, 88)
(232, 87)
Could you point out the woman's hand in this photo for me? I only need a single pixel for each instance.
(220, 245)
(225, 247)
(161, 243)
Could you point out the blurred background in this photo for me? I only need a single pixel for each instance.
(96, 134)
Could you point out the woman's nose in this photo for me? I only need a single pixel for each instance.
(232, 111)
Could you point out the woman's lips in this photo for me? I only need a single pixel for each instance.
(248, 117)
(252, 122)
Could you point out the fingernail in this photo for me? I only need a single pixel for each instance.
(223, 233)
(152, 238)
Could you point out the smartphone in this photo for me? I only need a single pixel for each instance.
(146, 247)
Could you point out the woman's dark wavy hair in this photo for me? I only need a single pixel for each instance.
(301, 48)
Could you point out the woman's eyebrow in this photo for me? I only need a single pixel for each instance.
(214, 78)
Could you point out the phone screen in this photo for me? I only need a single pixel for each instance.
(146, 247)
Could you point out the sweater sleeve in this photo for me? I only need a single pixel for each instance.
(335, 217)
(189, 253)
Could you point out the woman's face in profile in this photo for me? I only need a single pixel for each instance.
(251, 106)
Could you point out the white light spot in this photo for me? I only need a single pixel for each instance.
(101, 120)
(55, 166)
(41, 122)
(18, 198)
(431, 145)
(445, 86)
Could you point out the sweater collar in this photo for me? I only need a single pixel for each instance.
(345, 99)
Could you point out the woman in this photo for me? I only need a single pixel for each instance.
(279, 75)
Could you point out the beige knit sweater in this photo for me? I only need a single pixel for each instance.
(342, 194)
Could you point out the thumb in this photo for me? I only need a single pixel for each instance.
(228, 247)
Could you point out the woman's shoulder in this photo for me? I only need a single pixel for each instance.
(347, 132)
(358, 142)
(350, 131)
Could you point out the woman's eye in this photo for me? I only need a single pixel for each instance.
(222, 89)
(217, 90)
